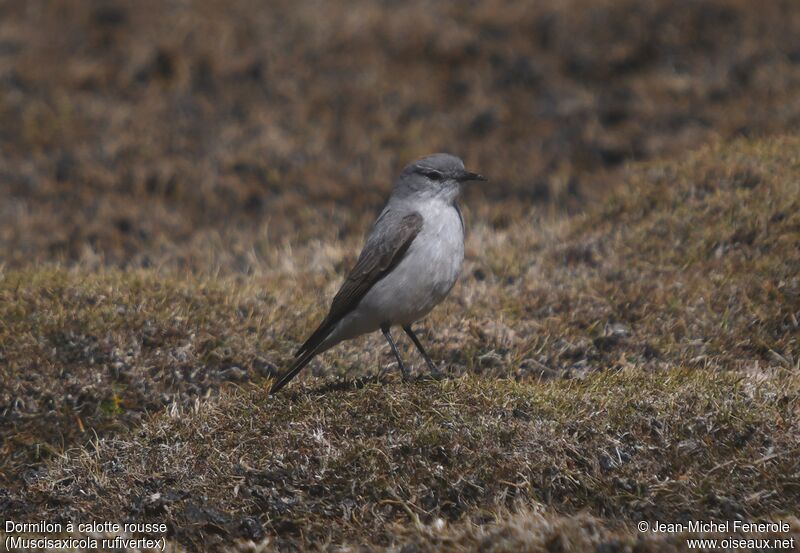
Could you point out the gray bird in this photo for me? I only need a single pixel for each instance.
(410, 262)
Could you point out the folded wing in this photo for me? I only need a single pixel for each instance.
(391, 236)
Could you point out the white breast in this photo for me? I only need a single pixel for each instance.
(438, 251)
(420, 281)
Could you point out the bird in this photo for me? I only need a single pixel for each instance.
(410, 261)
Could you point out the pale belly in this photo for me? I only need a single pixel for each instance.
(420, 281)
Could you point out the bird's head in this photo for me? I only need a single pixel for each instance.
(434, 176)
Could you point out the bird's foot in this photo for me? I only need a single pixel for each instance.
(405, 374)
(436, 374)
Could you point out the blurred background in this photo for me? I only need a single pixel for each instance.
(199, 134)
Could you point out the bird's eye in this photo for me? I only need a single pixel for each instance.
(433, 175)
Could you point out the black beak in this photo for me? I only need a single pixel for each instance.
(467, 176)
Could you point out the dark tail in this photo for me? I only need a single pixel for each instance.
(306, 353)
(296, 367)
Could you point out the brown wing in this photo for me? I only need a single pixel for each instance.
(388, 242)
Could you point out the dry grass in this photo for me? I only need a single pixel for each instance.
(642, 419)
(534, 532)
(183, 186)
(200, 135)
(339, 462)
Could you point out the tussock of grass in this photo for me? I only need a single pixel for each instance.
(692, 263)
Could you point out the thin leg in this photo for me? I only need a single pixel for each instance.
(424, 353)
(388, 336)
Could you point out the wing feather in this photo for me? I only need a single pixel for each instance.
(386, 246)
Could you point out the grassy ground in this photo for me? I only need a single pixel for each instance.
(637, 362)
(183, 187)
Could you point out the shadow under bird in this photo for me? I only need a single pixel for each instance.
(410, 262)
